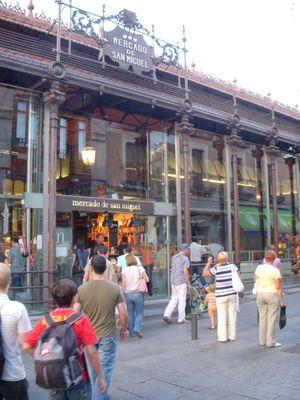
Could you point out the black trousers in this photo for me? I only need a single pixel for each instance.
(14, 390)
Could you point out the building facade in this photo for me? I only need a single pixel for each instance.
(178, 156)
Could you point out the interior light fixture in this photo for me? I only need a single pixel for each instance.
(88, 155)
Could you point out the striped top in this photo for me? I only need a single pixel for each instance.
(223, 274)
(14, 320)
(211, 300)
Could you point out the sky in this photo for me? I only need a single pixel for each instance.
(253, 41)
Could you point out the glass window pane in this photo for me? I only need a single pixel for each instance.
(21, 126)
(81, 142)
(63, 122)
(82, 126)
(62, 142)
(22, 106)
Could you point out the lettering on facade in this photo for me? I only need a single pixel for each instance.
(70, 203)
(129, 49)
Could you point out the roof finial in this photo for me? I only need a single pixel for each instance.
(30, 9)
(193, 65)
(234, 97)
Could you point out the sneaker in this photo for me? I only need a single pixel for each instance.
(138, 334)
(184, 321)
(167, 319)
(276, 345)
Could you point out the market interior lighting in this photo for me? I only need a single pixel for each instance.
(221, 181)
(88, 155)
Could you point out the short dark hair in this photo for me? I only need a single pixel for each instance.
(15, 239)
(98, 264)
(102, 250)
(128, 249)
(63, 292)
(2, 257)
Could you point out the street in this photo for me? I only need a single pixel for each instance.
(166, 364)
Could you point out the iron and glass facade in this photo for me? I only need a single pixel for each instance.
(155, 178)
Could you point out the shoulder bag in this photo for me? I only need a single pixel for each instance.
(142, 283)
(237, 284)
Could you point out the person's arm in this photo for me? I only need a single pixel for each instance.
(206, 271)
(93, 358)
(76, 307)
(122, 319)
(85, 276)
(278, 285)
(28, 349)
(145, 276)
(24, 325)
(187, 276)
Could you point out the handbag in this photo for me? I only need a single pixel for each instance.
(282, 317)
(254, 290)
(142, 284)
(237, 284)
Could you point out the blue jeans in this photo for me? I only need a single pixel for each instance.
(135, 309)
(107, 354)
(78, 392)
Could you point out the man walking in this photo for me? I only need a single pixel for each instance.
(196, 252)
(15, 325)
(98, 298)
(17, 264)
(180, 282)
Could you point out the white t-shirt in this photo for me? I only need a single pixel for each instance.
(131, 276)
(196, 250)
(14, 320)
(121, 263)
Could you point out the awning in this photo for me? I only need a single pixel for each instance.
(284, 221)
(249, 218)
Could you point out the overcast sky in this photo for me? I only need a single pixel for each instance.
(254, 41)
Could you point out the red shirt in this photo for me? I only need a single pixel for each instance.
(83, 330)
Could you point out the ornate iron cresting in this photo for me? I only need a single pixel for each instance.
(16, 7)
(92, 26)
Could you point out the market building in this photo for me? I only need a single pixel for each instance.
(103, 131)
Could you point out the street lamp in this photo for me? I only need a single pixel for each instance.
(88, 155)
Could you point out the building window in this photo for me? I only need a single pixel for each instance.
(62, 145)
(82, 131)
(21, 121)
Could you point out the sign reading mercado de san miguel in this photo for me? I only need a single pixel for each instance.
(78, 203)
(127, 48)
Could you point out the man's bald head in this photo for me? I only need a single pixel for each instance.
(5, 277)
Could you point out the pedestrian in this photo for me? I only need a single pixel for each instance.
(122, 246)
(268, 284)
(15, 325)
(109, 272)
(197, 252)
(277, 261)
(226, 296)
(147, 262)
(81, 257)
(2, 259)
(210, 301)
(64, 293)
(180, 283)
(17, 264)
(134, 298)
(98, 241)
(98, 298)
(121, 262)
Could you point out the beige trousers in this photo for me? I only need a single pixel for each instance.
(268, 306)
(226, 307)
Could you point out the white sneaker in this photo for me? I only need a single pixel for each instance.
(276, 345)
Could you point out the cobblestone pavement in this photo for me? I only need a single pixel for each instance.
(166, 364)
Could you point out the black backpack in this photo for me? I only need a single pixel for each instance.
(2, 358)
(56, 355)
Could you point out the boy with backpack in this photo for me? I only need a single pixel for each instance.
(57, 343)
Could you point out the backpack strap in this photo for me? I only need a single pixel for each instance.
(73, 318)
(49, 320)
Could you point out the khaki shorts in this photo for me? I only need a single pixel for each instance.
(212, 311)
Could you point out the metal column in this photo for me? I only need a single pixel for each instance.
(228, 199)
(267, 196)
(178, 187)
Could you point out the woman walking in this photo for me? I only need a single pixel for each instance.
(226, 296)
(269, 298)
(134, 298)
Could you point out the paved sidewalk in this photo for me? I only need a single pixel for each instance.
(166, 364)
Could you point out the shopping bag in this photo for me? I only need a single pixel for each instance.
(282, 317)
(237, 284)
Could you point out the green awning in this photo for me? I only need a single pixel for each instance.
(284, 221)
(249, 218)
